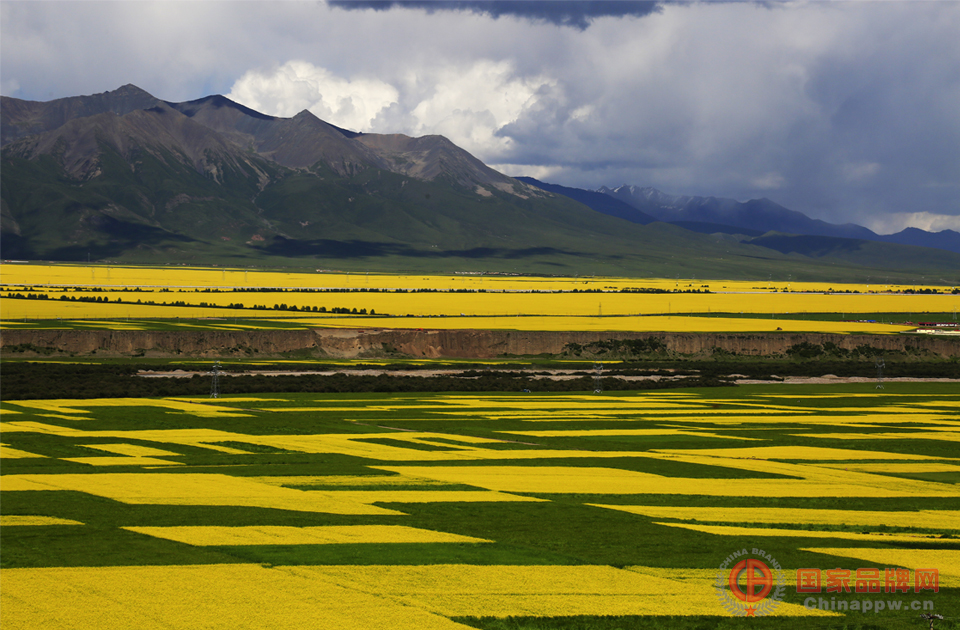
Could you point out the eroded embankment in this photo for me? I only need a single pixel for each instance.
(477, 344)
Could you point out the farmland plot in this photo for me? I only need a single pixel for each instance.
(137, 298)
(482, 511)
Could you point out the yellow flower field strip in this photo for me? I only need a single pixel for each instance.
(4, 411)
(132, 450)
(942, 399)
(421, 436)
(626, 433)
(945, 435)
(809, 472)
(60, 406)
(185, 276)
(75, 311)
(942, 520)
(705, 420)
(356, 445)
(488, 304)
(794, 453)
(894, 409)
(947, 561)
(898, 410)
(63, 417)
(595, 405)
(28, 426)
(771, 532)
(14, 520)
(233, 399)
(6, 452)
(814, 418)
(493, 580)
(839, 482)
(913, 467)
(538, 591)
(192, 489)
(122, 461)
(708, 577)
(203, 410)
(369, 497)
(345, 444)
(318, 535)
(346, 480)
(198, 597)
(634, 414)
(584, 480)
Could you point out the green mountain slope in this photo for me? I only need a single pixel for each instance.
(211, 181)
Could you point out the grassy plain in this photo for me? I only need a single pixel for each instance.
(487, 511)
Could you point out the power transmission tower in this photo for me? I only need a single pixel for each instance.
(880, 373)
(598, 370)
(215, 385)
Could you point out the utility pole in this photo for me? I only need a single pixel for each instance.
(215, 385)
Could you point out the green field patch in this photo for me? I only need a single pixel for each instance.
(656, 466)
(410, 444)
(698, 622)
(868, 504)
(500, 445)
(395, 554)
(252, 448)
(443, 487)
(952, 477)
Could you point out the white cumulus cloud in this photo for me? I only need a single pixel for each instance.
(470, 105)
(298, 85)
(468, 102)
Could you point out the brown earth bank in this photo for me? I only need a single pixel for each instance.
(469, 344)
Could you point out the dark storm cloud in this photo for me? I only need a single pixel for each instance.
(574, 13)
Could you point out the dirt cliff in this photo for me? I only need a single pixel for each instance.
(348, 343)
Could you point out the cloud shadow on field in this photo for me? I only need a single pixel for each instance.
(362, 249)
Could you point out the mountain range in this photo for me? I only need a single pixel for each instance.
(763, 215)
(125, 176)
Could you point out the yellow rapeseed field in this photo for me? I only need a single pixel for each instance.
(203, 410)
(200, 597)
(946, 560)
(381, 480)
(14, 453)
(211, 277)
(318, 535)
(913, 467)
(151, 462)
(942, 520)
(541, 591)
(725, 530)
(812, 481)
(16, 520)
(425, 310)
(191, 489)
(504, 303)
(131, 450)
(820, 453)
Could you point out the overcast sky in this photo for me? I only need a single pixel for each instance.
(847, 111)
